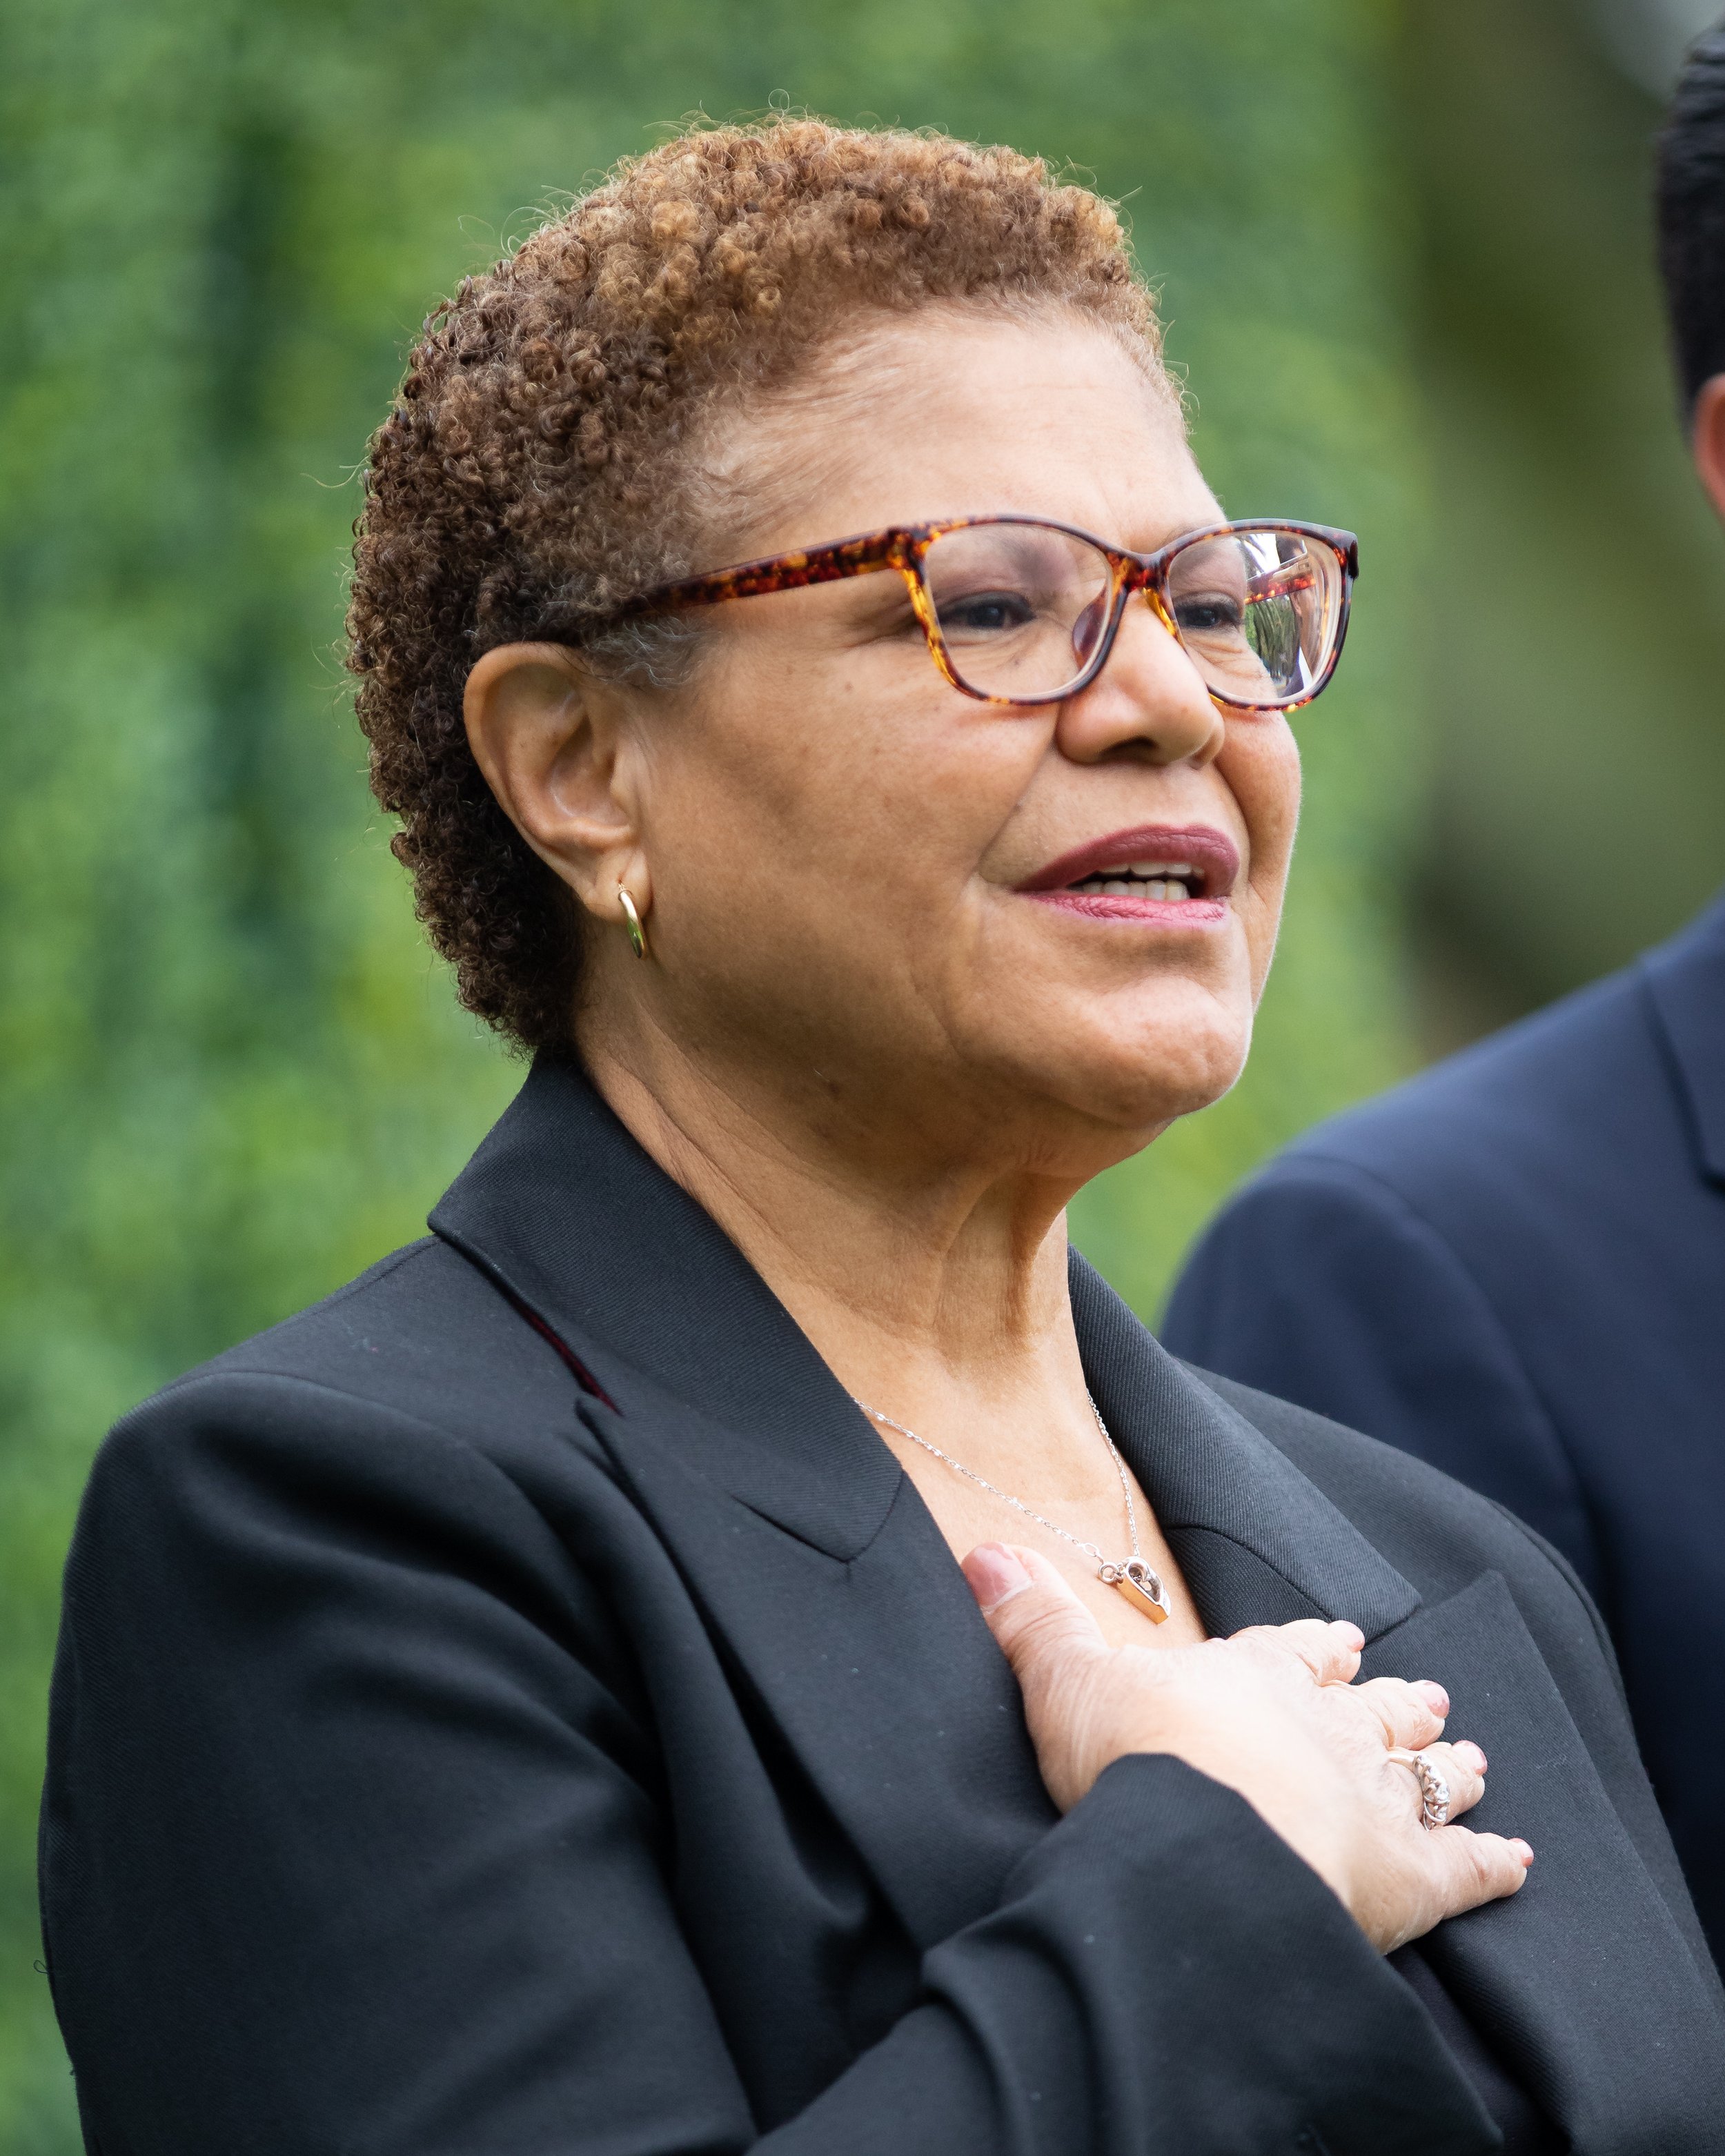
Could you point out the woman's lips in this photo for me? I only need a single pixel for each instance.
(1142, 865)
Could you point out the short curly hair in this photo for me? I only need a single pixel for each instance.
(541, 465)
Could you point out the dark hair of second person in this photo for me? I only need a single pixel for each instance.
(1691, 208)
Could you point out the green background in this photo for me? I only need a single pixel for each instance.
(1403, 261)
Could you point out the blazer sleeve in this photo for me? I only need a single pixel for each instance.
(1320, 1284)
(354, 1842)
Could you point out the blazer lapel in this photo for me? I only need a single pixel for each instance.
(806, 1547)
(1686, 979)
(1589, 1925)
(871, 1660)
(1259, 1544)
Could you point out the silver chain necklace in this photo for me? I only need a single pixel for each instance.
(1131, 1576)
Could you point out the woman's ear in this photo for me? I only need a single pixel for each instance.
(1707, 438)
(554, 744)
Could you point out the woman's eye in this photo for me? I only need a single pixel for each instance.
(1210, 615)
(986, 613)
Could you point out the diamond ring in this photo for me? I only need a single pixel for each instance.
(1433, 1789)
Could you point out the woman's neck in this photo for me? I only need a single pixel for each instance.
(933, 1283)
(927, 1283)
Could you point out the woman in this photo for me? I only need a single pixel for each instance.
(710, 1646)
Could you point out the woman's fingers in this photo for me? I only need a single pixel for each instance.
(1475, 1868)
(1331, 1652)
(1410, 1714)
(1054, 1647)
(1458, 1870)
(1040, 1624)
(1463, 1767)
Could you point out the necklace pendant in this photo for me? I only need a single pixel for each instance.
(1142, 1587)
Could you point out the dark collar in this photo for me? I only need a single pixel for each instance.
(1686, 978)
(658, 1309)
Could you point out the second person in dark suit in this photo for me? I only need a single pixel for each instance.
(1514, 1266)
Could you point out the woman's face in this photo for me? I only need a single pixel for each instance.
(862, 882)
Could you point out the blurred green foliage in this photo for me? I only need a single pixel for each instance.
(230, 1074)
(1578, 807)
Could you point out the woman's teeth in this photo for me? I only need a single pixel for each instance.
(1142, 879)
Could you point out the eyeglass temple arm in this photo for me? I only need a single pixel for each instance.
(1280, 583)
(778, 572)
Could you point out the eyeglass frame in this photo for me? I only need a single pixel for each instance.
(905, 547)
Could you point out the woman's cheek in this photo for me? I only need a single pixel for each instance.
(1261, 765)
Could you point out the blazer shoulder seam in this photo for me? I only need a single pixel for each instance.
(391, 1262)
(385, 1410)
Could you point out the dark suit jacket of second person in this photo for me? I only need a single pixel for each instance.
(1514, 1267)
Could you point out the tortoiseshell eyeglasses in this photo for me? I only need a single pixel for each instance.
(1020, 611)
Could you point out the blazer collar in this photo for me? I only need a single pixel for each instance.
(663, 1318)
(653, 1302)
(1686, 979)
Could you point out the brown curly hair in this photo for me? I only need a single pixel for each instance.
(541, 464)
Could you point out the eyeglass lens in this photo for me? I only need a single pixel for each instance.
(1021, 607)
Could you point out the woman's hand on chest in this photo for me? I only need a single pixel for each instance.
(1273, 1713)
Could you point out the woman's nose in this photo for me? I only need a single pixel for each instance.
(1149, 697)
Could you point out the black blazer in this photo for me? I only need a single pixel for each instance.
(1514, 1267)
(521, 1706)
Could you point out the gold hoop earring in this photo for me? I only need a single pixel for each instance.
(632, 921)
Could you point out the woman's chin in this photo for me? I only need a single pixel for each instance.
(1133, 1077)
(1141, 1103)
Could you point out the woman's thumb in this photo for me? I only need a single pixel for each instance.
(1041, 1624)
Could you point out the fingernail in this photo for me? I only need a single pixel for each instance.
(1471, 1755)
(1435, 1697)
(995, 1575)
(1524, 1851)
